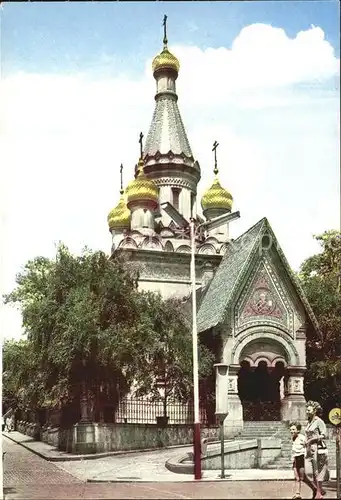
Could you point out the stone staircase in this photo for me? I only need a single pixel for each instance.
(254, 430)
(280, 430)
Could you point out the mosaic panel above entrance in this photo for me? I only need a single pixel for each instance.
(264, 301)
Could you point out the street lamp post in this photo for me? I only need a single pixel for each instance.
(197, 440)
(221, 405)
(183, 223)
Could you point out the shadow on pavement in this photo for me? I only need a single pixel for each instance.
(331, 485)
(7, 491)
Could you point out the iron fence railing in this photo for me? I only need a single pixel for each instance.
(146, 411)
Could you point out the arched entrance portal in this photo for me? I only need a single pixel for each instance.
(261, 380)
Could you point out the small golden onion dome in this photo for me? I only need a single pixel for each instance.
(216, 197)
(165, 60)
(119, 217)
(142, 188)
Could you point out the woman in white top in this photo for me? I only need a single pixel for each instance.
(316, 447)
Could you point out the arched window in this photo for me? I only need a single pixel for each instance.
(192, 203)
(176, 197)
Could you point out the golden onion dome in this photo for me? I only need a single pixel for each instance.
(165, 60)
(142, 188)
(119, 217)
(216, 197)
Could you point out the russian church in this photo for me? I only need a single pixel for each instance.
(249, 299)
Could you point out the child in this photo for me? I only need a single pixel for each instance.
(298, 455)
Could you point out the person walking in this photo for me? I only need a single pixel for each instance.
(9, 423)
(317, 451)
(298, 459)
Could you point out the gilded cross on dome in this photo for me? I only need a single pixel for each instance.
(121, 174)
(215, 145)
(141, 144)
(165, 41)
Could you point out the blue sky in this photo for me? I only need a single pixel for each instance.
(261, 78)
(65, 35)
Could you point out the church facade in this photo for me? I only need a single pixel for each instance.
(250, 300)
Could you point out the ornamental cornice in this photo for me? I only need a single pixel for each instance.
(151, 256)
(176, 182)
(180, 166)
(266, 322)
(166, 95)
(169, 156)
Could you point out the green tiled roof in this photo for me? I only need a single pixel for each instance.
(219, 294)
(231, 272)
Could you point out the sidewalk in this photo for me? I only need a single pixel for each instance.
(138, 466)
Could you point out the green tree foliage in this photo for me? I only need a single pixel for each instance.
(165, 362)
(77, 313)
(22, 380)
(321, 279)
(91, 333)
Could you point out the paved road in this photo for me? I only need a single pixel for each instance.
(27, 476)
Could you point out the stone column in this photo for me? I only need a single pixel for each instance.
(234, 420)
(293, 403)
(85, 433)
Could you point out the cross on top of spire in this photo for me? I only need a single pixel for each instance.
(164, 23)
(141, 144)
(121, 174)
(215, 145)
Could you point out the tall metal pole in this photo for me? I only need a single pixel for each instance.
(197, 441)
(338, 462)
(222, 451)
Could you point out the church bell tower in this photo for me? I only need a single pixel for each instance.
(168, 156)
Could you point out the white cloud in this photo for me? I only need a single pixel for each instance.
(261, 58)
(267, 101)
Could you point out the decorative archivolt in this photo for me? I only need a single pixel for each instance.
(128, 242)
(249, 360)
(151, 242)
(278, 360)
(258, 360)
(270, 364)
(169, 247)
(207, 248)
(223, 248)
(212, 240)
(274, 335)
(184, 249)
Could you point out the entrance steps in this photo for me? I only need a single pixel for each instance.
(254, 430)
(279, 430)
